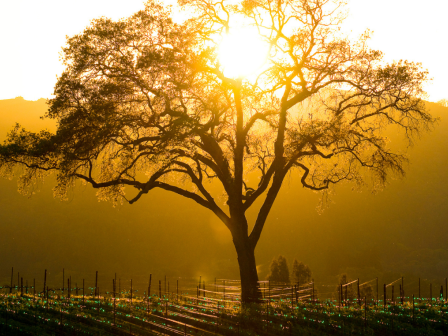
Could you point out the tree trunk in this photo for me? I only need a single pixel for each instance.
(250, 291)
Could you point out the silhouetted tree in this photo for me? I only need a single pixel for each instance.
(301, 273)
(144, 103)
(278, 270)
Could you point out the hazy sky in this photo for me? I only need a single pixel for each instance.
(32, 33)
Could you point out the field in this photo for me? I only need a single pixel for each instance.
(213, 309)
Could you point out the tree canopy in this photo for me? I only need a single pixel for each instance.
(145, 103)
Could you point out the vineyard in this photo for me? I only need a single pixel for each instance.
(195, 307)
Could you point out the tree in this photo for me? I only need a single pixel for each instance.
(301, 273)
(278, 270)
(443, 102)
(144, 103)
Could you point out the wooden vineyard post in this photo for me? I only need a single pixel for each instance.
(376, 304)
(292, 296)
(340, 297)
(62, 326)
(359, 295)
(149, 287)
(34, 301)
(402, 290)
(419, 297)
(269, 291)
(12, 275)
(365, 311)
(346, 302)
(384, 296)
(267, 317)
(147, 308)
(313, 290)
(99, 303)
(297, 294)
(413, 310)
(83, 290)
(113, 289)
(45, 281)
(393, 297)
(26, 288)
(96, 284)
(224, 292)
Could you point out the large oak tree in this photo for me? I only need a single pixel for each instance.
(144, 103)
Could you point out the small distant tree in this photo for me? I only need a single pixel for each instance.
(443, 102)
(301, 273)
(278, 270)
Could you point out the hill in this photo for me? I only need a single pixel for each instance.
(24, 112)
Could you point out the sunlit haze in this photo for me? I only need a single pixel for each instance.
(33, 32)
(242, 52)
(280, 167)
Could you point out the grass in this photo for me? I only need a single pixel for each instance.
(188, 314)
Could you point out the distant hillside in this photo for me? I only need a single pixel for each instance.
(24, 112)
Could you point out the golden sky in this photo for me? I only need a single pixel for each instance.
(32, 33)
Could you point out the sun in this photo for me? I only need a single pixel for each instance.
(242, 52)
